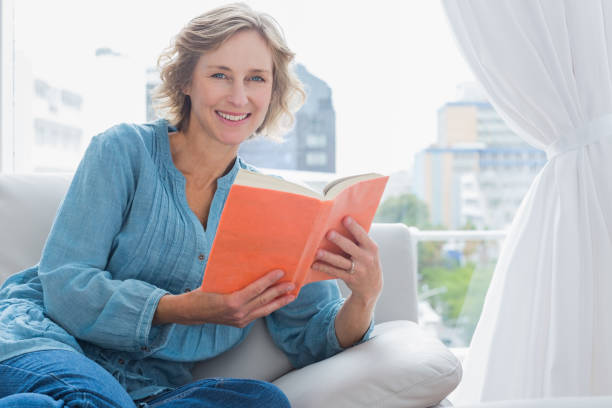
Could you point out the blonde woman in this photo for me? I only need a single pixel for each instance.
(108, 318)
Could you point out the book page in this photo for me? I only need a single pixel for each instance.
(335, 187)
(259, 180)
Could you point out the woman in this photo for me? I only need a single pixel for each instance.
(108, 316)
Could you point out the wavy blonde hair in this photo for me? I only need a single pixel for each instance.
(206, 33)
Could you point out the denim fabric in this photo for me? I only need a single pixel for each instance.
(123, 237)
(221, 392)
(59, 378)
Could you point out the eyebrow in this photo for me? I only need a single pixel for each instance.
(224, 68)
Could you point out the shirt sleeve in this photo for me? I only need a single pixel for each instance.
(305, 328)
(79, 294)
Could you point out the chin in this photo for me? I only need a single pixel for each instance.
(233, 140)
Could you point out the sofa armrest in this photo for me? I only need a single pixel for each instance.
(401, 366)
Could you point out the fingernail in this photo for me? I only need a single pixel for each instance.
(320, 253)
(348, 220)
(332, 234)
(291, 298)
(279, 274)
(315, 266)
(290, 287)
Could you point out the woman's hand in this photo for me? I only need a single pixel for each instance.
(237, 309)
(362, 273)
(360, 269)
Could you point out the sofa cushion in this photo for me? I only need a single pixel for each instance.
(401, 366)
(256, 357)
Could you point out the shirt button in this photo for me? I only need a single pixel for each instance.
(201, 257)
(144, 348)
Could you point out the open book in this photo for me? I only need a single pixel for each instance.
(269, 223)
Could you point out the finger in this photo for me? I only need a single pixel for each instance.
(344, 244)
(333, 259)
(359, 233)
(333, 271)
(269, 295)
(260, 285)
(272, 306)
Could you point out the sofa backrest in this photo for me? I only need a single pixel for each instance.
(28, 203)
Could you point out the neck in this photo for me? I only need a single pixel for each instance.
(200, 158)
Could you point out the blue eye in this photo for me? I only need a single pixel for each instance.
(257, 78)
(218, 75)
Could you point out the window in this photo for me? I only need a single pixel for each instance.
(316, 140)
(316, 159)
(71, 69)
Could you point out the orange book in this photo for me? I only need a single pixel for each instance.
(269, 223)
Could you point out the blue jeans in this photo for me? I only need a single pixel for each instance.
(59, 378)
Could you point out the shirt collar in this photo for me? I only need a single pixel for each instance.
(227, 180)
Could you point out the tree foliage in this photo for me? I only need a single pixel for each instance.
(406, 209)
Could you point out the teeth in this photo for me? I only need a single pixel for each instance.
(232, 117)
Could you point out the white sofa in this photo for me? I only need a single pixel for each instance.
(564, 402)
(400, 367)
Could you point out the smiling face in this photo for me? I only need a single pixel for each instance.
(231, 88)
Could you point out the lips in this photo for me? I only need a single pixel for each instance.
(233, 117)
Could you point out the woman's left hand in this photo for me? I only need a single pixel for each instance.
(361, 270)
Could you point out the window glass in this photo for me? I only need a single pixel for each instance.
(316, 158)
(316, 140)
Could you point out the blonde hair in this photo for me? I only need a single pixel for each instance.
(206, 33)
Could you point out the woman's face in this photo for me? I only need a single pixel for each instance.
(231, 88)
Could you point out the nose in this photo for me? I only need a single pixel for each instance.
(238, 95)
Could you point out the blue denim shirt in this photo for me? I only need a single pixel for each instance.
(124, 236)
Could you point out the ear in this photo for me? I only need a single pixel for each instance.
(187, 89)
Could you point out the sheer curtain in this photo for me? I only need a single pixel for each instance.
(546, 326)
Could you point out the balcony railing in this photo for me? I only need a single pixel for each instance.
(454, 235)
(454, 276)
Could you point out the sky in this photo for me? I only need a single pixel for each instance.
(390, 63)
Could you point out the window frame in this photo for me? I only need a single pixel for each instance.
(7, 86)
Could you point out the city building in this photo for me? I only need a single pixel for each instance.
(311, 144)
(153, 80)
(479, 170)
(56, 115)
(49, 117)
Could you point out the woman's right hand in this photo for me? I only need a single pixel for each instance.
(237, 309)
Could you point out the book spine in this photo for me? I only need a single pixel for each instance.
(312, 244)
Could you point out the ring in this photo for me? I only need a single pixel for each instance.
(352, 269)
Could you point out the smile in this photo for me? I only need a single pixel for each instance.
(234, 117)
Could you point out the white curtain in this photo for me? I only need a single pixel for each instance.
(546, 326)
